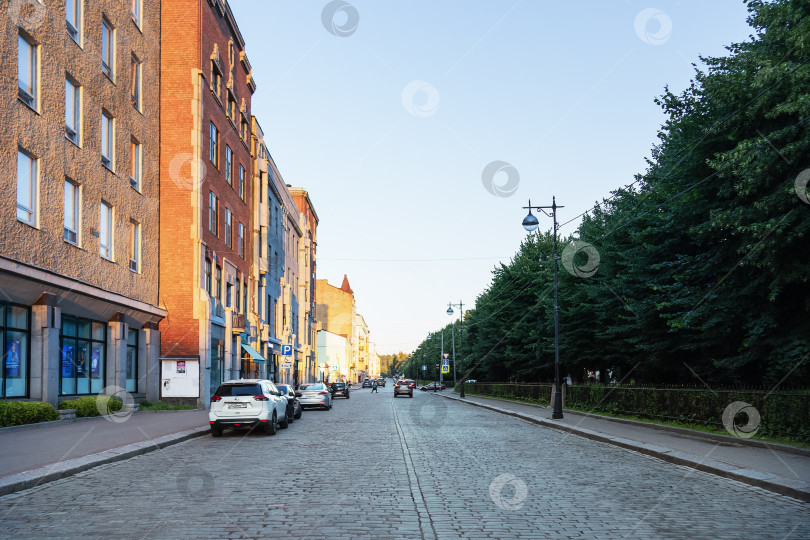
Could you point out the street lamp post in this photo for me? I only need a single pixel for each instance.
(530, 223)
(460, 306)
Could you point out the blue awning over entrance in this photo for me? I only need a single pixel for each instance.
(253, 353)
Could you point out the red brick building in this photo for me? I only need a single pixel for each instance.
(206, 285)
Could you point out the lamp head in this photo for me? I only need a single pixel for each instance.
(450, 310)
(530, 222)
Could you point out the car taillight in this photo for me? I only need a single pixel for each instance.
(411, 385)
(396, 385)
(321, 393)
(261, 397)
(215, 398)
(298, 394)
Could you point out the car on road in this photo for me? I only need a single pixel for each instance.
(366, 383)
(339, 389)
(471, 381)
(380, 382)
(404, 386)
(247, 404)
(431, 386)
(314, 395)
(294, 409)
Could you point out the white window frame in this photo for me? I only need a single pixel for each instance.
(136, 72)
(213, 213)
(229, 228)
(108, 51)
(135, 247)
(241, 246)
(73, 100)
(135, 164)
(27, 188)
(213, 150)
(74, 27)
(106, 232)
(72, 209)
(27, 62)
(229, 165)
(137, 12)
(107, 141)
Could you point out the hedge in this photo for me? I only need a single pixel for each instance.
(15, 413)
(93, 405)
(782, 413)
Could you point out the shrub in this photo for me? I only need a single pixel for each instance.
(15, 413)
(93, 405)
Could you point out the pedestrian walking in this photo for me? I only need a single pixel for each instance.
(374, 387)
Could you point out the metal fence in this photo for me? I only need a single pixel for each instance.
(768, 412)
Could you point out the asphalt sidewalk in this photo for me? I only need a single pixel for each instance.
(776, 467)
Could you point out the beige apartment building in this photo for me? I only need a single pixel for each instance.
(79, 178)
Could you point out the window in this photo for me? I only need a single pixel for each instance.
(135, 76)
(238, 296)
(107, 49)
(244, 130)
(134, 246)
(135, 164)
(228, 228)
(132, 361)
(27, 71)
(218, 289)
(213, 213)
(137, 11)
(14, 335)
(231, 110)
(72, 110)
(208, 276)
(213, 152)
(107, 140)
(83, 344)
(245, 299)
(241, 182)
(71, 212)
(241, 241)
(105, 231)
(27, 188)
(216, 79)
(228, 165)
(73, 14)
(228, 294)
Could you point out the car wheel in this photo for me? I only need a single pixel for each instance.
(216, 431)
(271, 428)
(395, 394)
(330, 406)
(410, 395)
(285, 422)
(299, 413)
(347, 395)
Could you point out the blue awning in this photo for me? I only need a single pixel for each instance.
(258, 358)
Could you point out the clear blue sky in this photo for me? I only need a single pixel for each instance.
(389, 118)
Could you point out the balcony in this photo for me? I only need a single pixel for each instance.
(238, 323)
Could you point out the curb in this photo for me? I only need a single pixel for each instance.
(792, 488)
(57, 471)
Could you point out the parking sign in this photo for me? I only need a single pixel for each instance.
(286, 350)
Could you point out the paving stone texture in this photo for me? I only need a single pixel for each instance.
(423, 467)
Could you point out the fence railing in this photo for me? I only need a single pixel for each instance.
(768, 412)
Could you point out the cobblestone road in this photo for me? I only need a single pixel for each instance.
(375, 466)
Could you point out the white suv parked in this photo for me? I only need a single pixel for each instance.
(247, 404)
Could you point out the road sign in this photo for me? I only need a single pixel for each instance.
(286, 350)
(445, 362)
(285, 365)
(446, 355)
(445, 369)
(424, 367)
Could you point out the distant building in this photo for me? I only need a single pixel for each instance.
(79, 176)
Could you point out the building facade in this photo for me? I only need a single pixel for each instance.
(79, 162)
(206, 281)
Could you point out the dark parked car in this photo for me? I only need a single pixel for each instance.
(380, 382)
(404, 386)
(431, 386)
(366, 383)
(339, 389)
(294, 408)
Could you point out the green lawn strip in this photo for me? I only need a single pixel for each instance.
(696, 427)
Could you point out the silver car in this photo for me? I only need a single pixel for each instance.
(314, 395)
